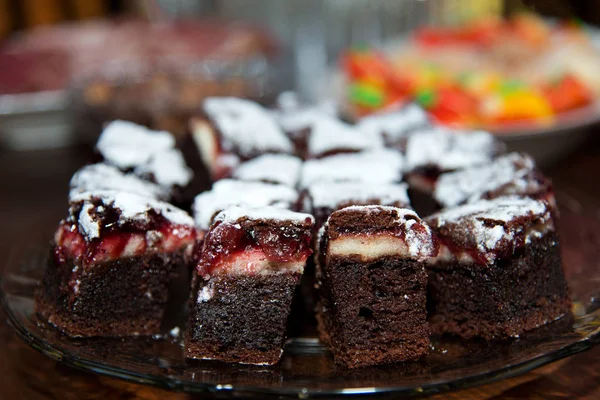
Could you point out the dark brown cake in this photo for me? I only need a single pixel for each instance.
(372, 284)
(248, 268)
(499, 270)
(110, 264)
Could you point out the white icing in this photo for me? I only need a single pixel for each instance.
(168, 168)
(294, 120)
(448, 149)
(274, 168)
(395, 124)
(90, 228)
(227, 192)
(132, 207)
(106, 177)
(330, 134)
(233, 214)
(205, 294)
(127, 145)
(377, 166)
(245, 126)
(332, 194)
(470, 184)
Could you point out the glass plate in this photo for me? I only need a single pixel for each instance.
(306, 368)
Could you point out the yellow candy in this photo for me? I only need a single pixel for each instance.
(518, 104)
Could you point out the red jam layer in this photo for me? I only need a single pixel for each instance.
(70, 244)
(226, 243)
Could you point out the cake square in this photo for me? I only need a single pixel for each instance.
(270, 168)
(372, 283)
(375, 166)
(111, 262)
(248, 268)
(322, 198)
(499, 271)
(511, 174)
(232, 130)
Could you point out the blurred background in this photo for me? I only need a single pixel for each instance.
(524, 70)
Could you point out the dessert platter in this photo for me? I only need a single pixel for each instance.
(389, 256)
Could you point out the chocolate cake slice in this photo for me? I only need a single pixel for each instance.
(271, 168)
(247, 270)
(499, 271)
(322, 198)
(151, 155)
(511, 174)
(372, 283)
(375, 166)
(110, 264)
(395, 126)
(232, 130)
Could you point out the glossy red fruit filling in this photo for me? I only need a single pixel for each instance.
(226, 243)
(70, 244)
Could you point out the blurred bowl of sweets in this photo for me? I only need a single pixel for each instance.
(154, 74)
(531, 81)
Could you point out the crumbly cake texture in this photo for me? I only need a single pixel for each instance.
(372, 285)
(376, 166)
(249, 255)
(329, 135)
(111, 262)
(102, 176)
(271, 168)
(395, 125)
(448, 150)
(322, 198)
(228, 192)
(511, 174)
(503, 257)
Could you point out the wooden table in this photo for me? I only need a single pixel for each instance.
(33, 192)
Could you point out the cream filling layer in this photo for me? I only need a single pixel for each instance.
(206, 141)
(257, 263)
(368, 247)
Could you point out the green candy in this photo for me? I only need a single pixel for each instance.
(427, 98)
(366, 95)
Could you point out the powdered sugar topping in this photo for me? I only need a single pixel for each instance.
(106, 177)
(377, 166)
(245, 126)
(132, 207)
(394, 124)
(472, 183)
(332, 194)
(274, 168)
(167, 168)
(330, 134)
(126, 145)
(448, 149)
(232, 215)
(227, 193)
